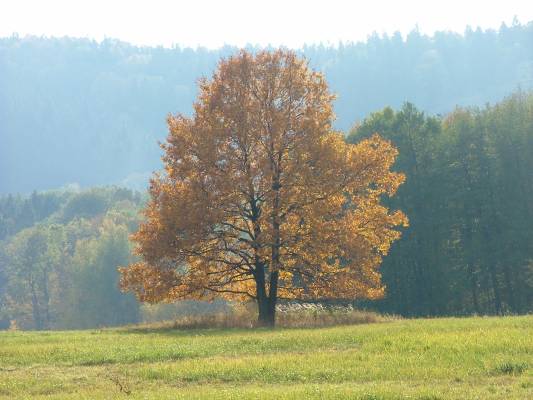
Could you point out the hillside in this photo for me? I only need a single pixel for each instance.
(78, 111)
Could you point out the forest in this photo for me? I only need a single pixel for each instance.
(469, 198)
(468, 248)
(76, 111)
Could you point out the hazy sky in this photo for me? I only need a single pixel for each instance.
(277, 22)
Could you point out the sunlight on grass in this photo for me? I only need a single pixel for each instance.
(450, 358)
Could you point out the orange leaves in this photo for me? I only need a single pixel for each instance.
(257, 182)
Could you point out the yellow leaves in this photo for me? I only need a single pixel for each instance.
(256, 181)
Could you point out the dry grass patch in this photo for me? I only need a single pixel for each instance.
(291, 315)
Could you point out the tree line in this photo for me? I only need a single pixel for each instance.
(74, 110)
(469, 198)
(468, 248)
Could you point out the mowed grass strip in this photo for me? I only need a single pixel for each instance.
(432, 359)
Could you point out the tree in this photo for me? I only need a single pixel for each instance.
(260, 199)
(31, 267)
(62, 272)
(93, 297)
(412, 272)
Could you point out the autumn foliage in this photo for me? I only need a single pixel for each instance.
(260, 199)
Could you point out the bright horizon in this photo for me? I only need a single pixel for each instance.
(214, 24)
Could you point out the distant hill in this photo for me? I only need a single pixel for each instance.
(78, 111)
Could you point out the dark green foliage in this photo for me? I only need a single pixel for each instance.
(469, 197)
(410, 273)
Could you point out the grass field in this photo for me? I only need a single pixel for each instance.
(452, 358)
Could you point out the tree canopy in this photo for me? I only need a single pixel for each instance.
(261, 199)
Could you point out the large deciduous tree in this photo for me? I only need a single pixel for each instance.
(260, 199)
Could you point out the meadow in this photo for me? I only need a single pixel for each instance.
(446, 358)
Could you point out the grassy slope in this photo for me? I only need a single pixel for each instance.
(471, 358)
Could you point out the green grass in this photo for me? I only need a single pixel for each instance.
(452, 358)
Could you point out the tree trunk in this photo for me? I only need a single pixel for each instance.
(262, 298)
(266, 304)
(35, 306)
(473, 287)
(273, 298)
(509, 288)
(46, 302)
(470, 265)
(495, 289)
(263, 317)
(267, 312)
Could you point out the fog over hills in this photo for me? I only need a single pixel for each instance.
(78, 111)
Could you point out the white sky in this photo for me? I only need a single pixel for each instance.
(238, 22)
